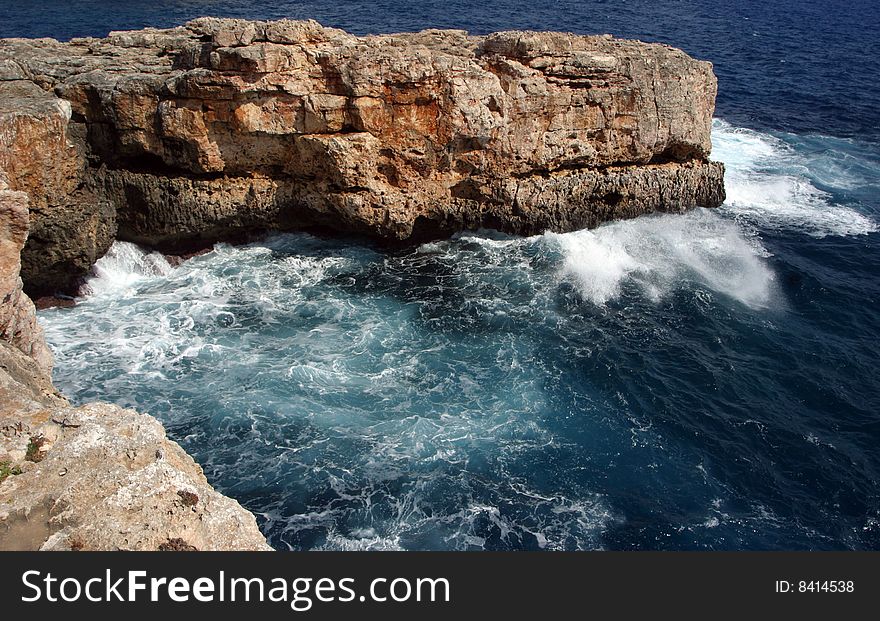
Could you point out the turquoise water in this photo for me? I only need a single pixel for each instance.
(698, 381)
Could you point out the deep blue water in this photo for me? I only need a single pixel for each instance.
(686, 382)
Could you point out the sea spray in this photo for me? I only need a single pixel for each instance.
(662, 253)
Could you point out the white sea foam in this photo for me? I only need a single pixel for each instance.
(363, 400)
(661, 253)
(771, 184)
(123, 266)
(361, 541)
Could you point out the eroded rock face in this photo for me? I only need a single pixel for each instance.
(192, 134)
(18, 319)
(105, 478)
(96, 477)
(71, 225)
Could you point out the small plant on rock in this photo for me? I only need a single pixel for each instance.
(34, 452)
(8, 470)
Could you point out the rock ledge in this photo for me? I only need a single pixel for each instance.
(178, 138)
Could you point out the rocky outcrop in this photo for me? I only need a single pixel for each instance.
(99, 477)
(180, 137)
(71, 226)
(96, 477)
(18, 320)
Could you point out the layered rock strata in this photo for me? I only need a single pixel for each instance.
(177, 138)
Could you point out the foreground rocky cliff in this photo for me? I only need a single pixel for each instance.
(96, 477)
(177, 138)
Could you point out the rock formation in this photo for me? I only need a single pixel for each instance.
(100, 477)
(18, 320)
(177, 138)
(97, 477)
(182, 137)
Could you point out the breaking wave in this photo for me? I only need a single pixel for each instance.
(777, 184)
(662, 253)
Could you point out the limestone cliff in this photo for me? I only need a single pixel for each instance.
(180, 137)
(18, 321)
(97, 477)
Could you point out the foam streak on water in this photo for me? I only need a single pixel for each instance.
(774, 186)
(674, 381)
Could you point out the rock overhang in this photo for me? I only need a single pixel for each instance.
(224, 126)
